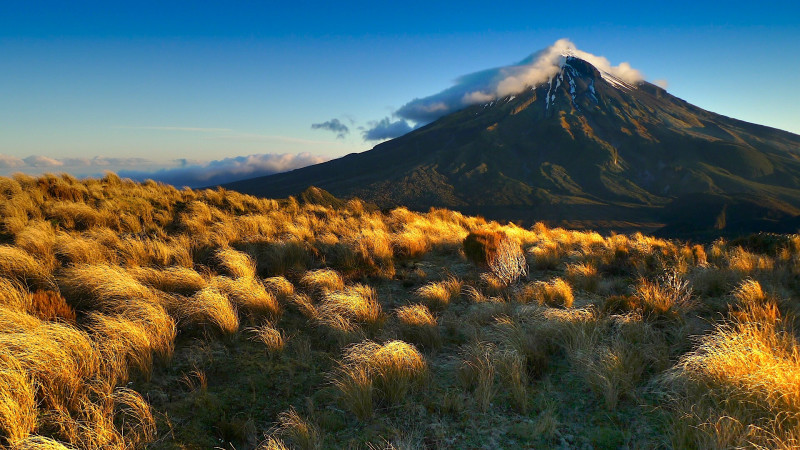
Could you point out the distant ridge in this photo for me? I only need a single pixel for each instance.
(584, 149)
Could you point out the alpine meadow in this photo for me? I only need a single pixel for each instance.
(137, 314)
(413, 225)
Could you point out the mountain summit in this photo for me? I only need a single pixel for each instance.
(584, 147)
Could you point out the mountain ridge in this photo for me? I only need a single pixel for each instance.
(582, 146)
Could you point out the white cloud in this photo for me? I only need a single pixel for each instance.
(487, 85)
(42, 161)
(8, 161)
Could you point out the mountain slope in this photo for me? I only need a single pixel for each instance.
(585, 147)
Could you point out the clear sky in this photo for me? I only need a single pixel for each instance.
(148, 84)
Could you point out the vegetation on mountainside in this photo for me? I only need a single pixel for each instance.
(137, 315)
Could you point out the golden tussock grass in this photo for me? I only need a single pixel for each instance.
(740, 387)
(18, 406)
(235, 263)
(322, 281)
(302, 433)
(669, 297)
(438, 295)
(388, 371)
(249, 296)
(555, 293)
(419, 326)
(353, 307)
(100, 286)
(19, 265)
(273, 339)
(583, 276)
(282, 288)
(208, 308)
(174, 280)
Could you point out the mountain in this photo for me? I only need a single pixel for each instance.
(582, 149)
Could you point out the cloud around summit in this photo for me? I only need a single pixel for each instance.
(491, 84)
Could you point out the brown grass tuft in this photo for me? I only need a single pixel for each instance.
(418, 325)
(438, 295)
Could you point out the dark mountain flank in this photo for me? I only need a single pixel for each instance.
(584, 149)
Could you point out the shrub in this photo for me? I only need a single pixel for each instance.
(418, 325)
(495, 250)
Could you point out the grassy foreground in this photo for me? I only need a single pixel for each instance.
(138, 315)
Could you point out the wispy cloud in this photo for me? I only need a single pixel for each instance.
(191, 129)
(334, 125)
(198, 174)
(43, 162)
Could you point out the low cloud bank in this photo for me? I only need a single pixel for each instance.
(199, 174)
(491, 84)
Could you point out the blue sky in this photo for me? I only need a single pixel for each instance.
(182, 83)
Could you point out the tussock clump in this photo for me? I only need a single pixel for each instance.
(418, 325)
(739, 387)
(282, 288)
(19, 265)
(354, 306)
(555, 293)
(13, 295)
(391, 369)
(583, 276)
(235, 263)
(18, 406)
(668, 298)
(321, 282)
(545, 256)
(439, 294)
(100, 286)
(477, 371)
(174, 280)
(272, 338)
(300, 432)
(250, 296)
(208, 307)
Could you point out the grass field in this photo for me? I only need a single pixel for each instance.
(138, 315)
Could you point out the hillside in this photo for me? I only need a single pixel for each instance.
(583, 149)
(138, 315)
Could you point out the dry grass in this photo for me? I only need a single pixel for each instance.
(321, 282)
(250, 296)
(208, 308)
(387, 371)
(555, 293)
(175, 280)
(273, 339)
(300, 432)
(351, 308)
(438, 295)
(740, 387)
(419, 326)
(134, 258)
